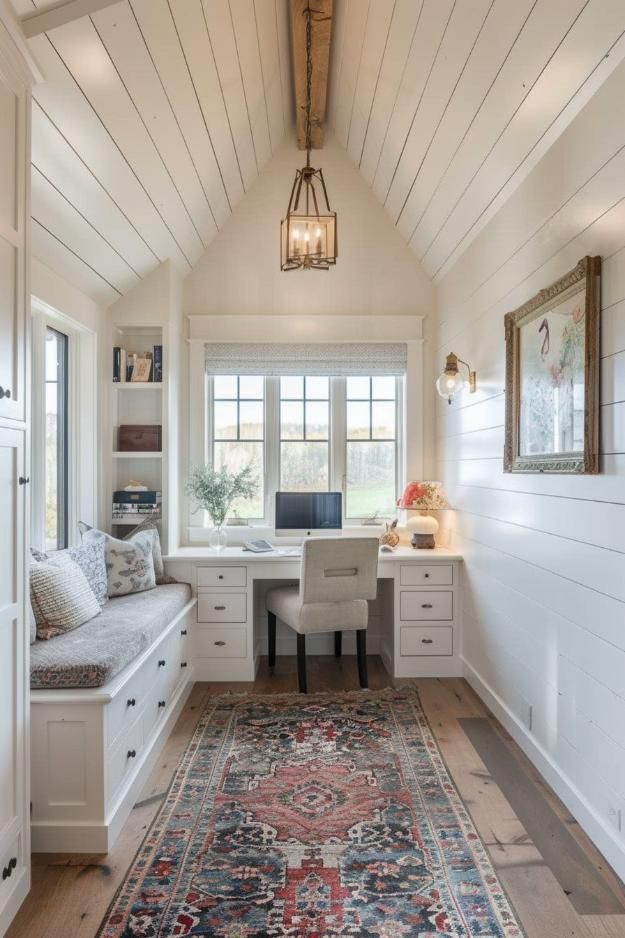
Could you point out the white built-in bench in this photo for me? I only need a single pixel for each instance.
(103, 701)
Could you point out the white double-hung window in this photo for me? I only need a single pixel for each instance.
(311, 418)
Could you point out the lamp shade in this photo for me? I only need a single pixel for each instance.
(423, 496)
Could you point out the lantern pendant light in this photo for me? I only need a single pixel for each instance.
(308, 233)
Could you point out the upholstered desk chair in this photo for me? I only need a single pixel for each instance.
(338, 576)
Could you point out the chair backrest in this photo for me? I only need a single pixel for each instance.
(335, 569)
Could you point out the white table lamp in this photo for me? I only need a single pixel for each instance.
(417, 500)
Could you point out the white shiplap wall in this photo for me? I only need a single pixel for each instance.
(544, 622)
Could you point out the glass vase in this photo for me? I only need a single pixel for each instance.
(218, 538)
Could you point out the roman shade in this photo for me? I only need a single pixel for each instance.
(306, 358)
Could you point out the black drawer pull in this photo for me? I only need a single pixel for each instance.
(183, 664)
(183, 631)
(24, 480)
(427, 576)
(8, 869)
(162, 663)
(427, 641)
(131, 702)
(161, 703)
(221, 644)
(13, 863)
(5, 392)
(220, 577)
(6, 872)
(426, 605)
(219, 608)
(131, 753)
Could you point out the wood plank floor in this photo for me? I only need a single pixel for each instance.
(71, 892)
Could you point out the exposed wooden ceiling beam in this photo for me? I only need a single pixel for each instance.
(66, 12)
(321, 31)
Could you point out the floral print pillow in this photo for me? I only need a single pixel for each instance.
(129, 564)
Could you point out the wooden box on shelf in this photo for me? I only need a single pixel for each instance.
(140, 438)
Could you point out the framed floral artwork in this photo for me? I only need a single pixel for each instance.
(552, 376)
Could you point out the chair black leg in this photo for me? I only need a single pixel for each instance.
(338, 644)
(361, 645)
(271, 649)
(301, 663)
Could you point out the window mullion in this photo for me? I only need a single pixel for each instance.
(338, 432)
(272, 445)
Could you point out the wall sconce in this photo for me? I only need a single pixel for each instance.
(452, 381)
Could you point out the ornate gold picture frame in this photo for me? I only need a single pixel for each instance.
(552, 376)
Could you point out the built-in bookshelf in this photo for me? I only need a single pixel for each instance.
(137, 403)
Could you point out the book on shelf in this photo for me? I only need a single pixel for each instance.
(148, 497)
(133, 366)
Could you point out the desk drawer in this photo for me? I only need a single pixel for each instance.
(440, 574)
(222, 607)
(221, 643)
(418, 640)
(221, 576)
(431, 606)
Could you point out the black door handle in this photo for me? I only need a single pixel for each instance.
(5, 392)
(24, 480)
(161, 703)
(183, 631)
(162, 663)
(132, 753)
(131, 702)
(183, 664)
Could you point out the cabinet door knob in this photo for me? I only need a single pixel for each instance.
(161, 703)
(183, 631)
(131, 702)
(5, 392)
(183, 664)
(426, 605)
(219, 608)
(427, 641)
(220, 576)
(162, 663)
(221, 644)
(24, 480)
(132, 753)
(427, 576)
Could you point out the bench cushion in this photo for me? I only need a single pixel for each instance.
(94, 653)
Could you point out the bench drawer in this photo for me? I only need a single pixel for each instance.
(440, 574)
(222, 607)
(221, 576)
(122, 759)
(221, 643)
(417, 640)
(430, 606)
(157, 703)
(123, 709)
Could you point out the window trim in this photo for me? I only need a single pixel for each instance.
(63, 435)
(337, 443)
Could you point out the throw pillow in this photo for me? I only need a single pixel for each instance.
(61, 597)
(129, 563)
(87, 532)
(91, 560)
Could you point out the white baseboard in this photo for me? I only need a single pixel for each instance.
(598, 831)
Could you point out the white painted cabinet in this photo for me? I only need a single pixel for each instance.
(14, 775)
(14, 515)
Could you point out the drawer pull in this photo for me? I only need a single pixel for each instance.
(24, 480)
(220, 577)
(162, 663)
(131, 702)
(221, 644)
(6, 872)
(183, 631)
(427, 576)
(427, 641)
(131, 753)
(162, 703)
(219, 608)
(426, 605)
(5, 392)
(183, 664)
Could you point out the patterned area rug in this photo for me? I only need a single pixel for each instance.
(312, 816)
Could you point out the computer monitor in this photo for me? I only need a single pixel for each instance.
(306, 513)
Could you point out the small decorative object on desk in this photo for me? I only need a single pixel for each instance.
(215, 491)
(417, 500)
(390, 537)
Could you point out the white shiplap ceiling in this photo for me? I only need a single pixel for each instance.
(445, 105)
(156, 117)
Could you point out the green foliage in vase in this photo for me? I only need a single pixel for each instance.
(214, 490)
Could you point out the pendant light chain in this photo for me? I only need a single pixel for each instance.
(309, 70)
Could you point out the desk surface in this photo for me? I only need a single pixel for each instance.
(238, 555)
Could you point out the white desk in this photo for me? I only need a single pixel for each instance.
(415, 624)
